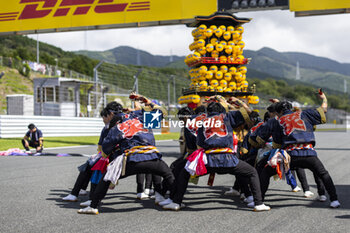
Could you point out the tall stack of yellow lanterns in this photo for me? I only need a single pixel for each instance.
(217, 63)
(219, 51)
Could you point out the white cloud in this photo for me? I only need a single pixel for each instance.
(325, 36)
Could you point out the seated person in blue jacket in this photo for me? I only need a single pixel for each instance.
(33, 138)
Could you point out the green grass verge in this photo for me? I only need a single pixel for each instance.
(7, 143)
(332, 129)
(169, 136)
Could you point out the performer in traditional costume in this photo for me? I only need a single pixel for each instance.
(110, 116)
(214, 138)
(139, 155)
(293, 132)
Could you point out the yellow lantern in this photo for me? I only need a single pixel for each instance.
(223, 69)
(200, 43)
(219, 89)
(240, 58)
(203, 83)
(249, 99)
(235, 35)
(195, 99)
(213, 68)
(191, 72)
(214, 41)
(240, 52)
(192, 46)
(214, 83)
(202, 28)
(240, 30)
(224, 43)
(180, 100)
(203, 70)
(201, 77)
(238, 77)
(202, 51)
(219, 47)
(213, 27)
(223, 83)
(192, 85)
(228, 90)
(196, 56)
(211, 88)
(244, 86)
(209, 75)
(184, 99)
(242, 69)
(228, 76)
(230, 59)
(223, 28)
(232, 86)
(186, 60)
(228, 49)
(200, 36)
(235, 50)
(203, 88)
(227, 35)
(255, 100)
(231, 43)
(218, 32)
(230, 29)
(195, 32)
(241, 44)
(223, 59)
(209, 48)
(208, 33)
(215, 54)
(219, 75)
(232, 70)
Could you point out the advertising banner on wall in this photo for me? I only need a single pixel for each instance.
(31, 16)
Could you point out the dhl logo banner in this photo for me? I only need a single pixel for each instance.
(26, 16)
(311, 5)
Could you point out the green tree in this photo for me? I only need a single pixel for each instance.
(82, 65)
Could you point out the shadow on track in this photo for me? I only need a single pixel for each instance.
(123, 198)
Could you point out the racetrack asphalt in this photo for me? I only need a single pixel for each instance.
(32, 188)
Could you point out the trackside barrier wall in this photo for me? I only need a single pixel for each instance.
(13, 126)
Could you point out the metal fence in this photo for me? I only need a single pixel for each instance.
(44, 69)
(163, 86)
(16, 126)
(113, 81)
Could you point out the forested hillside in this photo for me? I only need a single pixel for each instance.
(274, 79)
